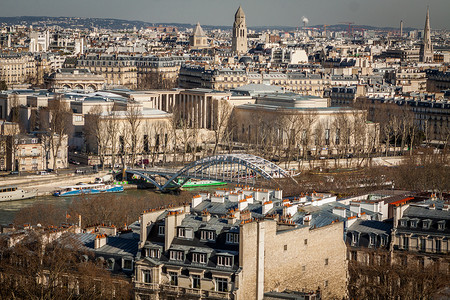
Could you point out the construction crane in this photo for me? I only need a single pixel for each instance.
(350, 31)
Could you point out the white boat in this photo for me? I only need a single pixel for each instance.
(81, 189)
(12, 193)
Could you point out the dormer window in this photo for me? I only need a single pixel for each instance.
(224, 261)
(426, 224)
(355, 238)
(403, 223)
(187, 233)
(232, 238)
(441, 225)
(371, 240)
(161, 230)
(413, 223)
(199, 258)
(176, 255)
(208, 235)
(383, 241)
(153, 253)
(127, 264)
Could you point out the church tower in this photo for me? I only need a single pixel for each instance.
(426, 48)
(239, 41)
(198, 39)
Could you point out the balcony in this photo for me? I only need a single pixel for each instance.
(147, 286)
(218, 295)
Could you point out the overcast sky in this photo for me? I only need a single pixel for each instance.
(258, 12)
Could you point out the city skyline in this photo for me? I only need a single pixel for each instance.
(281, 13)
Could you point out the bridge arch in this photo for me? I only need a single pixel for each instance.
(237, 168)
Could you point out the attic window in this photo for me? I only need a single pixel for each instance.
(441, 225)
(176, 255)
(413, 223)
(199, 258)
(403, 223)
(127, 264)
(208, 235)
(154, 253)
(354, 238)
(224, 261)
(426, 224)
(187, 233)
(371, 240)
(232, 238)
(161, 230)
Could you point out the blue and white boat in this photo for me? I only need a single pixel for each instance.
(90, 189)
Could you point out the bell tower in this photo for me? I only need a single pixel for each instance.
(239, 40)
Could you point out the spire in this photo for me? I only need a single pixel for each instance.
(427, 29)
(239, 13)
(198, 31)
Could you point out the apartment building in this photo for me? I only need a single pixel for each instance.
(239, 244)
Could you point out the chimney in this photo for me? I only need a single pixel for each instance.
(278, 194)
(268, 205)
(340, 211)
(100, 241)
(307, 220)
(173, 219)
(243, 204)
(355, 208)
(196, 200)
(206, 216)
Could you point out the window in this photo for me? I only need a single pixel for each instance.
(405, 242)
(221, 284)
(441, 225)
(173, 278)
(325, 284)
(185, 233)
(199, 258)
(423, 244)
(147, 276)
(326, 261)
(426, 224)
(371, 240)
(195, 281)
(154, 253)
(207, 235)
(176, 255)
(161, 230)
(438, 245)
(413, 223)
(303, 268)
(306, 241)
(327, 136)
(224, 261)
(232, 238)
(354, 255)
(354, 238)
(127, 264)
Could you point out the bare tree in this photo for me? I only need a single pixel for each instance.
(96, 134)
(59, 125)
(221, 125)
(112, 133)
(134, 119)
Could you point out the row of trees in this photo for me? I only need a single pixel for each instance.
(42, 266)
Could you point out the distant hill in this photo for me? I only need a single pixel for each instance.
(108, 23)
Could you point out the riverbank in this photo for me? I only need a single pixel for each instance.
(47, 184)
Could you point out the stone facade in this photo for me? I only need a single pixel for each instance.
(78, 79)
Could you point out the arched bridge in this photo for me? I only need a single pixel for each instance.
(233, 168)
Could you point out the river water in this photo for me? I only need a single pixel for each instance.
(8, 210)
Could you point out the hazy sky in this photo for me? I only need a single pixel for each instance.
(258, 12)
